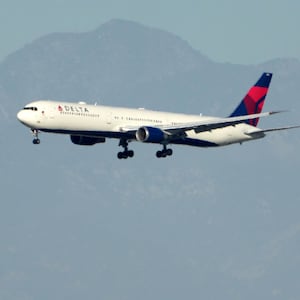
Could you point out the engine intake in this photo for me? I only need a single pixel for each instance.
(86, 140)
(150, 135)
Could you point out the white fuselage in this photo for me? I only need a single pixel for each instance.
(112, 122)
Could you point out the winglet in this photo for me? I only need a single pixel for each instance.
(254, 100)
(278, 112)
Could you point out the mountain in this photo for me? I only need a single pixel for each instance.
(120, 62)
(76, 222)
(115, 59)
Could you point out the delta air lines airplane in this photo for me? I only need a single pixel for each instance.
(92, 124)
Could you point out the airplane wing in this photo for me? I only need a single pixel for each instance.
(203, 126)
(214, 123)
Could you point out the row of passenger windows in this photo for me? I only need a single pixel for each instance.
(116, 117)
(137, 119)
(80, 114)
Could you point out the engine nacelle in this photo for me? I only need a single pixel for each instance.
(86, 140)
(150, 135)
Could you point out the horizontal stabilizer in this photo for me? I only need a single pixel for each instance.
(262, 132)
(280, 128)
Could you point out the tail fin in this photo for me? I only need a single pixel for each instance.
(254, 101)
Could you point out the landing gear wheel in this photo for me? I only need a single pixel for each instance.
(130, 153)
(169, 152)
(120, 155)
(125, 154)
(164, 153)
(36, 141)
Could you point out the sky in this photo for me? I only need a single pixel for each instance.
(235, 31)
(77, 223)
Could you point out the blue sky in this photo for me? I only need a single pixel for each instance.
(235, 31)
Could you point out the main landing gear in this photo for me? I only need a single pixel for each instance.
(35, 134)
(126, 153)
(129, 153)
(164, 152)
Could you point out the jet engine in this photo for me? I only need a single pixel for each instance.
(86, 140)
(150, 135)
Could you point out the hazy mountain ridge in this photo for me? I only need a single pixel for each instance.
(218, 223)
(124, 63)
(91, 65)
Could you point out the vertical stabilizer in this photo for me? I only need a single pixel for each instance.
(254, 101)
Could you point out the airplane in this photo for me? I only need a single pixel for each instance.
(92, 124)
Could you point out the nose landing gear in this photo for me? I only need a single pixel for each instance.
(36, 139)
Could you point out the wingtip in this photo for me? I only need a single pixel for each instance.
(278, 112)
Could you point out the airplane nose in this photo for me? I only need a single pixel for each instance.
(20, 116)
(23, 117)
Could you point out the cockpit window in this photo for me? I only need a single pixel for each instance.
(30, 108)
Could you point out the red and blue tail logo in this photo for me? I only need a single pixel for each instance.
(254, 101)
